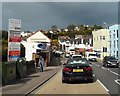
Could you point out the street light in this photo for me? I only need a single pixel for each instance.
(105, 25)
(51, 35)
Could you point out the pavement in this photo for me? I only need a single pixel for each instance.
(99, 60)
(27, 85)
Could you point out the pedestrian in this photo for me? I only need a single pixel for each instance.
(41, 62)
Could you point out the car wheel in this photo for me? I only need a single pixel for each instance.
(117, 66)
(91, 80)
(106, 65)
(63, 81)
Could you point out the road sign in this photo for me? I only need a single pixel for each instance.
(15, 24)
(14, 46)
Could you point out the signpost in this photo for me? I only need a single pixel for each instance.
(14, 39)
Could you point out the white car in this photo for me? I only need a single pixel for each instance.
(67, 55)
(91, 56)
(76, 56)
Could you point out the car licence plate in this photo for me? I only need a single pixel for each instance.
(77, 70)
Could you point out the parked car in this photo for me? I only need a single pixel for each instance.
(77, 69)
(110, 61)
(91, 56)
(67, 55)
(75, 56)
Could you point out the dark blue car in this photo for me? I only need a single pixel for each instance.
(77, 70)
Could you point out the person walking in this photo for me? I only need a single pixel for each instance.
(41, 62)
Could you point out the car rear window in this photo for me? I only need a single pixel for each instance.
(79, 61)
(77, 57)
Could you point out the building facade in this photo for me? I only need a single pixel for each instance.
(37, 45)
(82, 39)
(101, 42)
(119, 43)
(114, 43)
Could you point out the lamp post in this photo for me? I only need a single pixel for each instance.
(105, 25)
(51, 32)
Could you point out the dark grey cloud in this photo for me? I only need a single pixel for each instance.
(39, 15)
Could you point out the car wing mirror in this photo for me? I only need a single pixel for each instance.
(64, 64)
(90, 63)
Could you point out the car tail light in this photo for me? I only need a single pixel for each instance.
(66, 69)
(88, 68)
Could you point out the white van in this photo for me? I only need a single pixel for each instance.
(91, 56)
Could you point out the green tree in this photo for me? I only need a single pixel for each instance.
(54, 28)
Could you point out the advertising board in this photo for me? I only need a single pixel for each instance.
(14, 39)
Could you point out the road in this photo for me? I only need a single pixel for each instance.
(109, 77)
(106, 82)
(55, 86)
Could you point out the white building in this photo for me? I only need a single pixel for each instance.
(36, 45)
(25, 34)
(114, 40)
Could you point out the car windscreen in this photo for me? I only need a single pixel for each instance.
(111, 58)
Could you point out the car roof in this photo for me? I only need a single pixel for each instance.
(109, 57)
(76, 55)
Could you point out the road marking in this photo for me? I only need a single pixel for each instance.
(103, 85)
(44, 86)
(115, 73)
(108, 69)
(117, 81)
(104, 68)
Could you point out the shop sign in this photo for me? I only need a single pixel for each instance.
(42, 45)
(15, 39)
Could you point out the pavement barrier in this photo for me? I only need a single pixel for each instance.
(0, 72)
(8, 71)
(30, 67)
(21, 68)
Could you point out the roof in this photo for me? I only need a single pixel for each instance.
(38, 37)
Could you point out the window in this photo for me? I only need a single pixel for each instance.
(114, 35)
(117, 53)
(97, 38)
(117, 33)
(117, 43)
(114, 44)
(100, 37)
(110, 36)
(103, 37)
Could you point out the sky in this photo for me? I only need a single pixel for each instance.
(42, 15)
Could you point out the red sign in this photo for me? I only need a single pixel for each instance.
(14, 53)
(15, 39)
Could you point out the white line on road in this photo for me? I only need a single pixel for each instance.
(115, 73)
(117, 81)
(104, 68)
(103, 85)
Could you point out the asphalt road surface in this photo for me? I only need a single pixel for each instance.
(109, 77)
(55, 86)
(106, 82)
